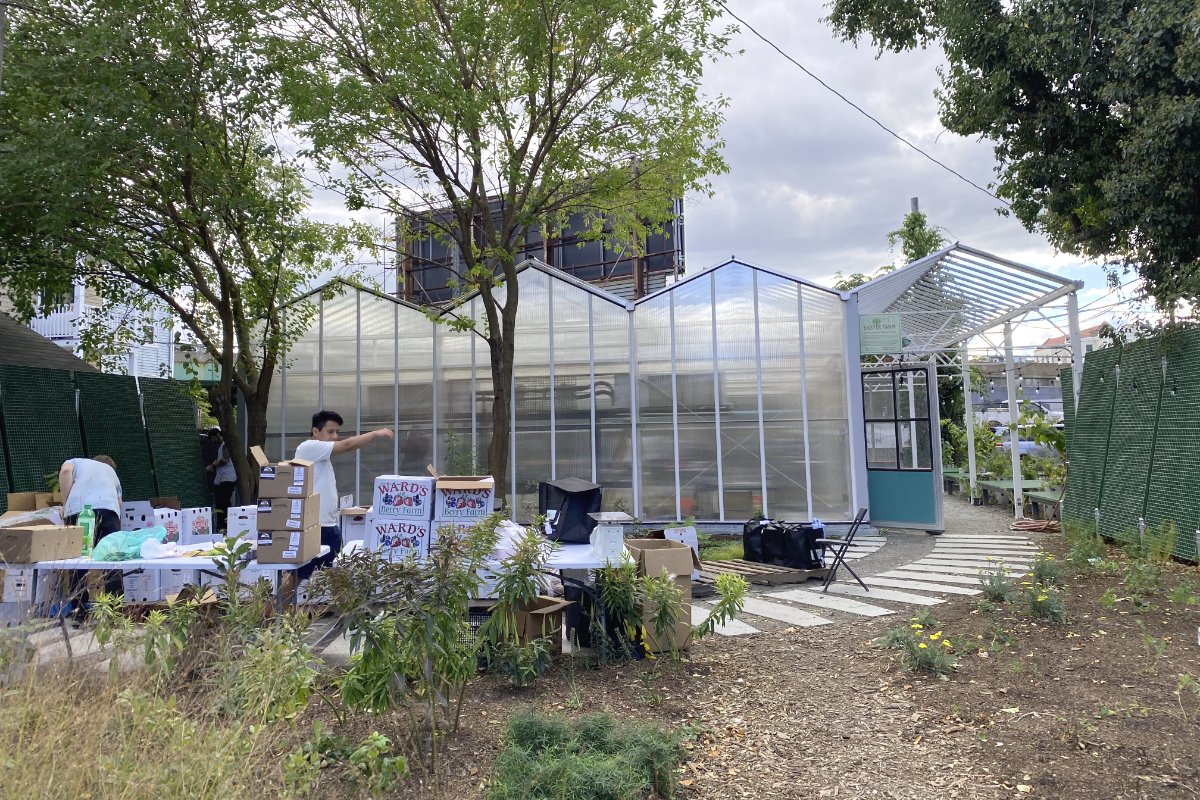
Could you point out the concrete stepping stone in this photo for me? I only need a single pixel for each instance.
(958, 537)
(920, 585)
(939, 577)
(978, 558)
(890, 595)
(782, 613)
(734, 627)
(974, 570)
(833, 603)
(983, 551)
(969, 567)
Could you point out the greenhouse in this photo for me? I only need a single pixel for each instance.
(733, 391)
(736, 398)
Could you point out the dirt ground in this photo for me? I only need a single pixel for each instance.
(1082, 710)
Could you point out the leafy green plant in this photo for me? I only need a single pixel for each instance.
(621, 592)
(731, 598)
(1184, 593)
(369, 766)
(996, 586)
(276, 677)
(1045, 602)
(522, 662)
(925, 618)
(1046, 571)
(662, 604)
(1108, 599)
(1086, 549)
(921, 651)
(1188, 686)
(594, 757)
(1143, 580)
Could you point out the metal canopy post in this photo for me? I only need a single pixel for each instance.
(1076, 347)
(969, 415)
(1013, 410)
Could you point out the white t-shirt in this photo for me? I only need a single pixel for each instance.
(93, 484)
(324, 482)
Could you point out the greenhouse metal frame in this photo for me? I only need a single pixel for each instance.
(742, 393)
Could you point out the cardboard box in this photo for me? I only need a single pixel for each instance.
(250, 579)
(166, 502)
(288, 513)
(172, 581)
(685, 534)
(288, 547)
(136, 515)
(655, 555)
(47, 499)
(142, 587)
(448, 527)
(403, 496)
(34, 543)
(306, 598)
(542, 618)
(17, 585)
(292, 478)
(677, 640)
(241, 522)
(353, 524)
(463, 496)
(399, 539)
(22, 501)
(172, 520)
(196, 525)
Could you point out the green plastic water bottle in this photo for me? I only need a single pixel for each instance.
(87, 521)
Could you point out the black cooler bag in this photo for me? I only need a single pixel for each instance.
(572, 499)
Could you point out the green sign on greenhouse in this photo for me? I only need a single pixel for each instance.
(879, 333)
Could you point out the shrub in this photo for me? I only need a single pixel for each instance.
(1142, 579)
(921, 650)
(544, 755)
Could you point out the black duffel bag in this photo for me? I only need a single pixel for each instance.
(752, 539)
(782, 544)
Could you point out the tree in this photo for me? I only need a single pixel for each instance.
(137, 158)
(916, 238)
(1094, 108)
(504, 115)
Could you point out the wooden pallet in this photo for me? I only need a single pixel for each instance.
(761, 574)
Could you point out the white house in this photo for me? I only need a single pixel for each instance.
(151, 359)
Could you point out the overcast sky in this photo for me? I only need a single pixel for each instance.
(814, 186)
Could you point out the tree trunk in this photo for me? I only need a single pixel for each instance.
(498, 449)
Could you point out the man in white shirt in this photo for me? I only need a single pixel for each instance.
(92, 482)
(324, 444)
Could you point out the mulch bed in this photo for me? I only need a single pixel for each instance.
(1081, 710)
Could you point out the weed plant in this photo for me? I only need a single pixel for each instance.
(1184, 593)
(921, 650)
(545, 755)
(1143, 580)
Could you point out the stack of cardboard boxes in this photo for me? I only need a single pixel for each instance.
(409, 512)
(29, 542)
(288, 515)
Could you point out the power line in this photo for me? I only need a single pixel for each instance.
(859, 109)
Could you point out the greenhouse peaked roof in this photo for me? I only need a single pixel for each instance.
(957, 293)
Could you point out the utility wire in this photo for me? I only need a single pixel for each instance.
(858, 108)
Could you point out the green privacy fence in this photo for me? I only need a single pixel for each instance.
(1134, 442)
(48, 416)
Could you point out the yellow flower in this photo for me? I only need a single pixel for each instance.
(946, 643)
(923, 646)
(935, 636)
(917, 627)
(1041, 598)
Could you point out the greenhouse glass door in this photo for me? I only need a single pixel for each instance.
(904, 463)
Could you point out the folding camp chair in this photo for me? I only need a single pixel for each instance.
(839, 547)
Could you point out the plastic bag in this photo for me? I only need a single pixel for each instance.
(52, 516)
(126, 545)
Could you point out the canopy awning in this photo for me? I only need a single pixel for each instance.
(957, 293)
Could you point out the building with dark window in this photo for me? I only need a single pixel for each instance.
(430, 266)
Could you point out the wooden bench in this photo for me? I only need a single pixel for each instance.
(952, 479)
(1043, 501)
(1005, 488)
